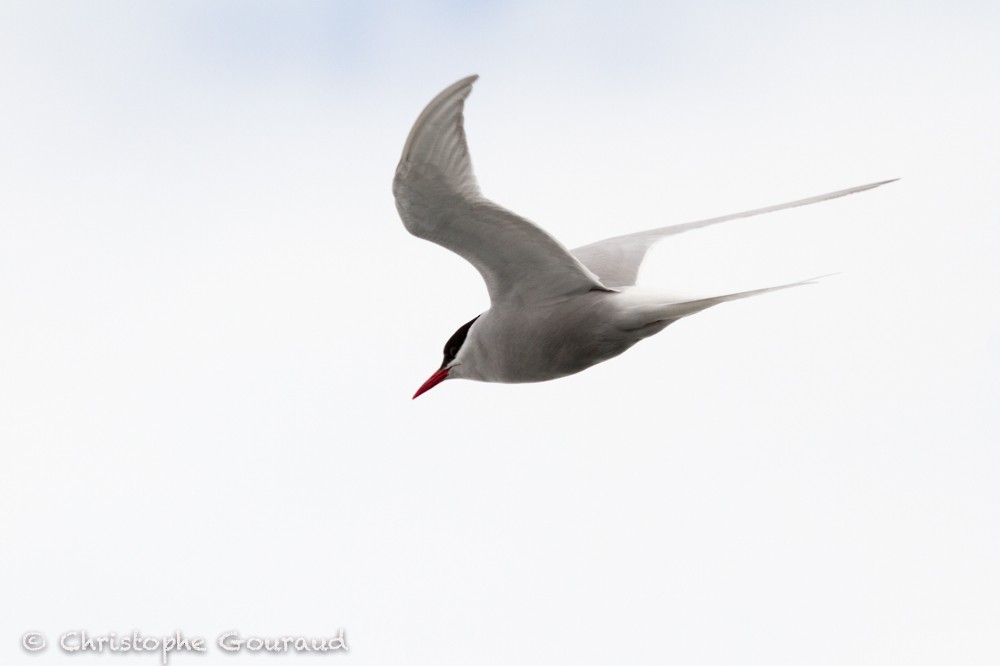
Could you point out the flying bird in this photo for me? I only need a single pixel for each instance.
(553, 311)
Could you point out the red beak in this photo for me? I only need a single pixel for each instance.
(435, 379)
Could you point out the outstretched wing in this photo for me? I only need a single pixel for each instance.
(438, 200)
(616, 260)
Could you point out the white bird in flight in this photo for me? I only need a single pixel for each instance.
(553, 311)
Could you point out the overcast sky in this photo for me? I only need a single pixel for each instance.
(212, 321)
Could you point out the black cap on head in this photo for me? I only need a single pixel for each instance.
(456, 341)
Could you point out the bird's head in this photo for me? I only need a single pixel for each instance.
(449, 366)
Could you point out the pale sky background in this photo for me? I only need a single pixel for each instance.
(212, 321)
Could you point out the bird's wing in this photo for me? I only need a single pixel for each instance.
(616, 260)
(438, 199)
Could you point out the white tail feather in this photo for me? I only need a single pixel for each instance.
(651, 312)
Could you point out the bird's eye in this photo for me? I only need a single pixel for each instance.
(455, 342)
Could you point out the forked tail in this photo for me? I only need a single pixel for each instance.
(653, 313)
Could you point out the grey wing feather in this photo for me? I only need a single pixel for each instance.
(438, 200)
(617, 260)
(438, 138)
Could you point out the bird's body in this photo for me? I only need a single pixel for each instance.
(547, 340)
(553, 312)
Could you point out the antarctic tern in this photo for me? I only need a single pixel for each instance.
(553, 311)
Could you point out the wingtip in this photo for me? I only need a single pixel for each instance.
(460, 88)
(859, 188)
(815, 280)
(467, 82)
(880, 183)
(461, 84)
(451, 98)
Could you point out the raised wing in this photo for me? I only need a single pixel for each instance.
(616, 260)
(438, 200)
